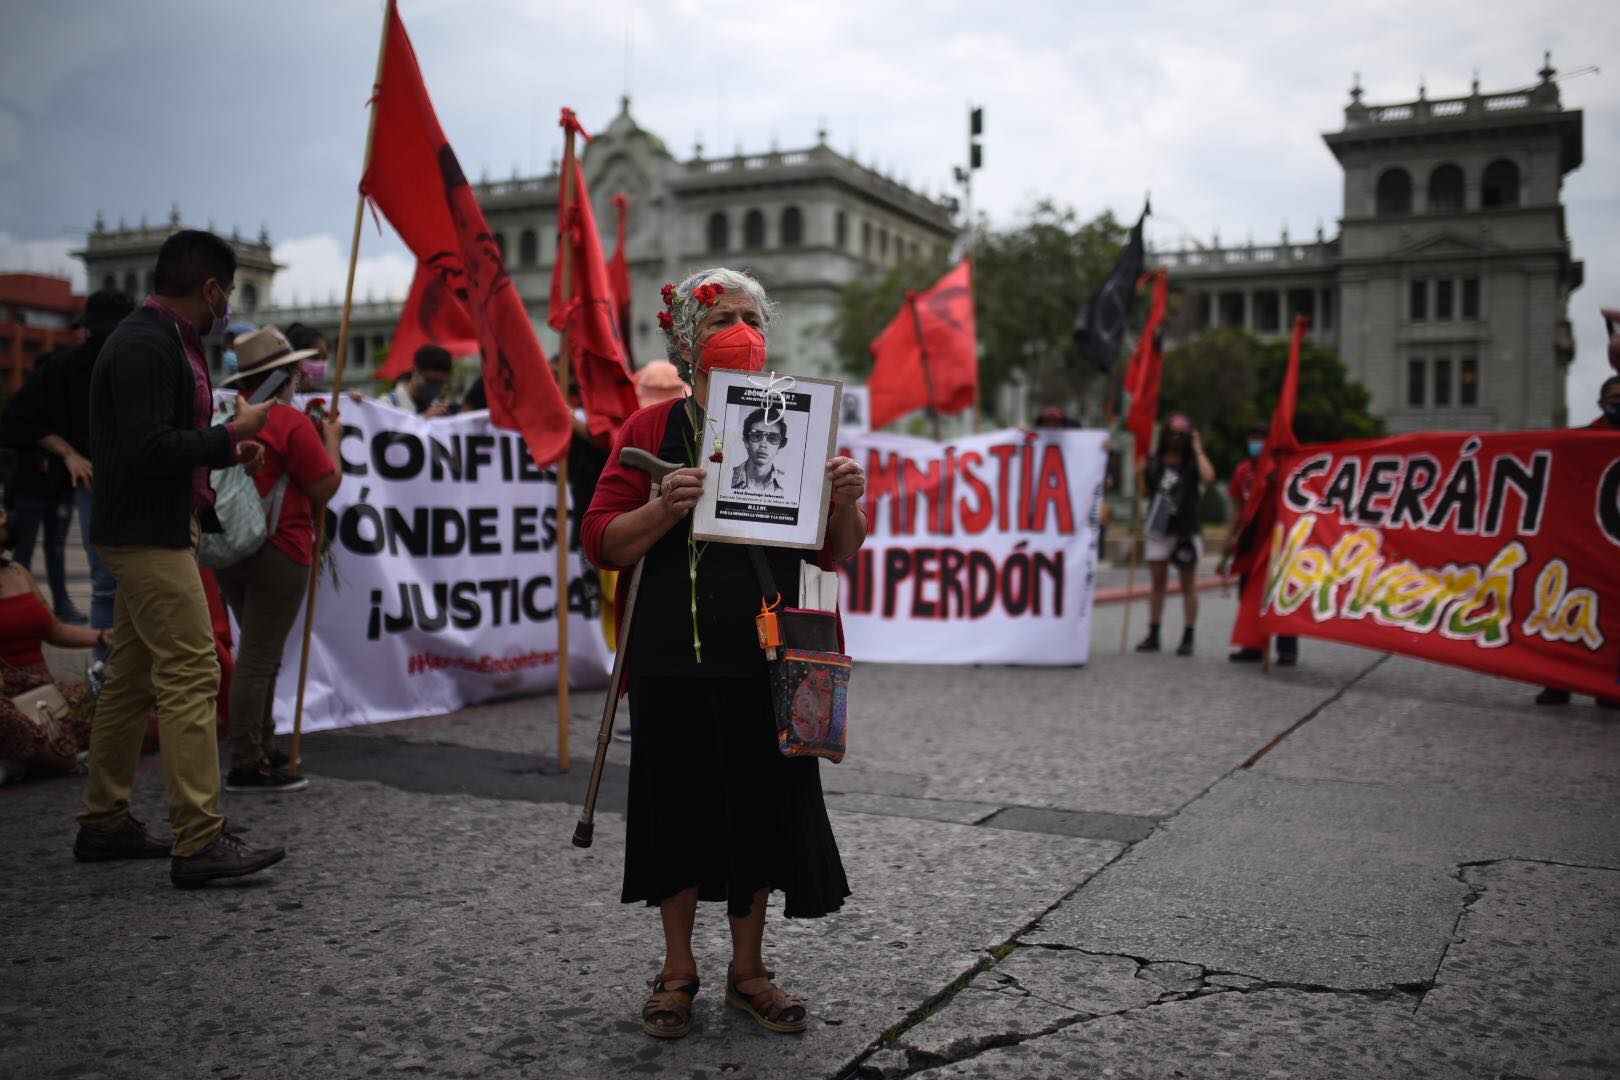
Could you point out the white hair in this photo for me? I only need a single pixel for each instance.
(688, 314)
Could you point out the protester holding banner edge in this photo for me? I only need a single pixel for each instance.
(715, 811)
(1608, 420)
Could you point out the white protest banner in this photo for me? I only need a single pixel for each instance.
(982, 550)
(445, 533)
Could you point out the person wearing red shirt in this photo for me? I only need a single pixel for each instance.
(266, 590)
(1237, 490)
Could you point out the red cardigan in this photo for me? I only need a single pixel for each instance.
(621, 489)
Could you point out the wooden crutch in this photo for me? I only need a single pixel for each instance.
(584, 832)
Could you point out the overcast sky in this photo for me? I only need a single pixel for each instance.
(254, 114)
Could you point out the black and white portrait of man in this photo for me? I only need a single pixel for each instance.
(763, 440)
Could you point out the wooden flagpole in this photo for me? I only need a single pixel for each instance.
(1130, 575)
(319, 512)
(566, 254)
(928, 375)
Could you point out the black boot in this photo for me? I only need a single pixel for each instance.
(1186, 646)
(1151, 642)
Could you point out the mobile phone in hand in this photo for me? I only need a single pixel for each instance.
(271, 386)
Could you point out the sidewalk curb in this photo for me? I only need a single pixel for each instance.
(1120, 593)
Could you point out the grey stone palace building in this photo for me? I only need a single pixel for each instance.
(805, 222)
(1446, 291)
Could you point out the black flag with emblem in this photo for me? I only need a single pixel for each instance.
(1099, 330)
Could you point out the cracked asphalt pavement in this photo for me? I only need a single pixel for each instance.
(1364, 866)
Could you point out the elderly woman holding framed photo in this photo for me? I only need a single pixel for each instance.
(716, 812)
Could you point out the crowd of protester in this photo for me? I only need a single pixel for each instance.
(122, 429)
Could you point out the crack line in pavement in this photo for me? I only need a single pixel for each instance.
(1473, 896)
(856, 1067)
(918, 1060)
(1313, 714)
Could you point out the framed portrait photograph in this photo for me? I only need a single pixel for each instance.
(775, 434)
(855, 413)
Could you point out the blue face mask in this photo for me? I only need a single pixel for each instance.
(1255, 446)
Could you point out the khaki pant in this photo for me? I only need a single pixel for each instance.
(266, 592)
(164, 655)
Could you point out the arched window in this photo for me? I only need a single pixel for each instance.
(1394, 192)
(500, 242)
(1500, 185)
(841, 230)
(130, 283)
(110, 282)
(754, 231)
(792, 227)
(528, 248)
(719, 233)
(1445, 189)
(250, 297)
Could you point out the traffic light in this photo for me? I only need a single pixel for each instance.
(975, 129)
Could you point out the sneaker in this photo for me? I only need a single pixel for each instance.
(126, 840)
(1186, 646)
(280, 759)
(1549, 696)
(226, 856)
(1246, 656)
(1149, 643)
(264, 777)
(621, 733)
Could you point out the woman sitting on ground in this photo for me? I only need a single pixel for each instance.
(716, 812)
(26, 622)
(266, 590)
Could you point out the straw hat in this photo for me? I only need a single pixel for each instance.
(264, 350)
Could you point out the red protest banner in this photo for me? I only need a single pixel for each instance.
(1496, 552)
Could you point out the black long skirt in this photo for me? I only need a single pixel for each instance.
(713, 803)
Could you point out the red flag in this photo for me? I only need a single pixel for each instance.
(619, 277)
(1146, 371)
(1259, 507)
(432, 316)
(589, 316)
(929, 354)
(415, 180)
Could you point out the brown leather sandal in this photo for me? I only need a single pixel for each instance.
(772, 1008)
(666, 1004)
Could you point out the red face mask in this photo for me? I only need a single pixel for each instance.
(738, 346)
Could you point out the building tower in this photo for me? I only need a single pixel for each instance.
(1446, 291)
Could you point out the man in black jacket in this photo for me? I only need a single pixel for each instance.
(55, 418)
(151, 449)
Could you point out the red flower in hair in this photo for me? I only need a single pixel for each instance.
(668, 293)
(666, 321)
(708, 294)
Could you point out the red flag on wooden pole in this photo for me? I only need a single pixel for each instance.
(1145, 374)
(619, 278)
(928, 357)
(432, 316)
(414, 179)
(585, 310)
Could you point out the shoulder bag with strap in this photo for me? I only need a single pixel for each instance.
(246, 519)
(809, 674)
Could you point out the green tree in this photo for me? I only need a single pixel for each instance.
(1030, 281)
(1227, 380)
